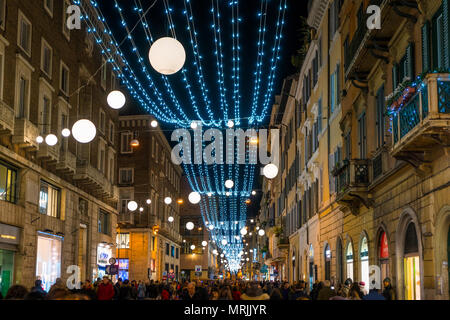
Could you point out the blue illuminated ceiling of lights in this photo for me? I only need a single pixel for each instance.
(233, 51)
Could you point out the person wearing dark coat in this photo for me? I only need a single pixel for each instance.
(388, 292)
(125, 291)
(191, 293)
(326, 292)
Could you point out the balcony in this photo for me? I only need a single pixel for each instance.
(25, 134)
(6, 119)
(67, 163)
(92, 179)
(126, 218)
(352, 180)
(423, 123)
(48, 153)
(283, 243)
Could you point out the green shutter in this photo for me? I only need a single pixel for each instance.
(426, 55)
(445, 15)
(395, 76)
(410, 61)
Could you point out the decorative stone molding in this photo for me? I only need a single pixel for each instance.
(317, 12)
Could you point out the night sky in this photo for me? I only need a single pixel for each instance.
(203, 20)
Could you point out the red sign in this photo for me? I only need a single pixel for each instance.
(384, 247)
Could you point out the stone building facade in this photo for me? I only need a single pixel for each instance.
(149, 242)
(58, 203)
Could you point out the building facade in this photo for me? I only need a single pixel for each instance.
(149, 240)
(58, 204)
(372, 138)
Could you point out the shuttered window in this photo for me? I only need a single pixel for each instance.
(426, 54)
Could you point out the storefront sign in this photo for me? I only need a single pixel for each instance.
(9, 234)
(103, 255)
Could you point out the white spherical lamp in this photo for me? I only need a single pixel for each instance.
(211, 227)
(154, 123)
(224, 242)
(116, 99)
(204, 243)
(215, 252)
(194, 197)
(253, 192)
(170, 219)
(192, 247)
(244, 231)
(261, 232)
(194, 125)
(270, 171)
(229, 184)
(149, 201)
(167, 55)
(167, 200)
(141, 209)
(190, 225)
(84, 131)
(230, 124)
(132, 205)
(65, 132)
(39, 139)
(51, 140)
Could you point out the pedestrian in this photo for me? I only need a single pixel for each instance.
(191, 293)
(276, 294)
(374, 294)
(355, 292)
(105, 290)
(326, 292)
(254, 292)
(346, 288)
(388, 291)
(225, 293)
(125, 291)
(298, 292)
(88, 290)
(38, 289)
(236, 293)
(59, 287)
(141, 290)
(16, 292)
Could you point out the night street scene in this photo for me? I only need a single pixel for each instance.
(237, 150)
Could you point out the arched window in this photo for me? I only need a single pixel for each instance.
(383, 255)
(364, 255)
(327, 262)
(339, 261)
(411, 264)
(349, 260)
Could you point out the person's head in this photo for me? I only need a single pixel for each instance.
(16, 292)
(35, 295)
(215, 294)
(38, 283)
(105, 280)
(327, 284)
(387, 282)
(191, 288)
(59, 282)
(276, 294)
(58, 294)
(348, 282)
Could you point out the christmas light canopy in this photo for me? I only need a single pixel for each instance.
(84, 131)
(167, 55)
(116, 99)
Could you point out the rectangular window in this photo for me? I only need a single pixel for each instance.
(113, 81)
(23, 97)
(380, 116)
(45, 116)
(111, 132)
(48, 5)
(64, 79)
(8, 179)
(332, 93)
(102, 121)
(125, 140)
(319, 116)
(123, 240)
(126, 175)
(49, 200)
(2, 13)
(104, 73)
(362, 136)
(1, 74)
(172, 251)
(177, 253)
(167, 249)
(348, 146)
(104, 222)
(83, 207)
(124, 205)
(46, 58)
(65, 30)
(24, 34)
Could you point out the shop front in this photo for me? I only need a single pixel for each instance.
(349, 261)
(383, 256)
(9, 242)
(48, 260)
(104, 253)
(411, 264)
(364, 258)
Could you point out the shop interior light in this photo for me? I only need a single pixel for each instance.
(261, 232)
(192, 247)
(141, 209)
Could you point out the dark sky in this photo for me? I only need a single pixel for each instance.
(203, 20)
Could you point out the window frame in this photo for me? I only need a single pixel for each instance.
(65, 30)
(122, 135)
(3, 15)
(102, 126)
(61, 67)
(45, 44)
(49, 10)
(21, 16)
(48, 206)
(120, 175)
(103, 74)
(11, 187)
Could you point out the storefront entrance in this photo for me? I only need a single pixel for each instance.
(364, 255)
(48, 262)
(6, 270)
(411, 264)
(349, 261)
(384, 256)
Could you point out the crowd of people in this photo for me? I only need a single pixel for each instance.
(104, 289)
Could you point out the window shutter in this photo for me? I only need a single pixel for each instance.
(426, 63)
(445, 14)
(395, 76)
(410, 61)
(338, 84)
